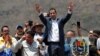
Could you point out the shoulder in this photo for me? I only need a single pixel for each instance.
(98, 39)
(13, 39)
(1, 38)
(35, 44)
(24, 43)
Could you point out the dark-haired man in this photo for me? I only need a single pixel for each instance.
(54, 30)
(28, 25)
(28, 45)
(7, 42)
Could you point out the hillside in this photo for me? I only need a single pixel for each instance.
(14, 12)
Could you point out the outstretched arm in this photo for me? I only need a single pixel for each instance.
(38, 8)
(41, 16)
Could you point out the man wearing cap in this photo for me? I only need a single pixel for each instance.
(54, 30)
(19, 32)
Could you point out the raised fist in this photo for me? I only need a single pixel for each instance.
(38, 8)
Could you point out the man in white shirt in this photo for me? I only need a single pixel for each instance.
(28, 45)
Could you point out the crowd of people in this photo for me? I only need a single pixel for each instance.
(31, 40)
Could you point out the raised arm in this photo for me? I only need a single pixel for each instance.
(41, 16)
(18, 45)
(68, 16)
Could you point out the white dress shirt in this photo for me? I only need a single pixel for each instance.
(54, 33)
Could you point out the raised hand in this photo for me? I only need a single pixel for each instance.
(70, 7)
(38, 8)
(8, 39)
(23, 37)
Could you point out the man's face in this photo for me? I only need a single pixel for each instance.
(20, 31)
(53, 14)
(29, 38)
(5, 31)
(38, 29)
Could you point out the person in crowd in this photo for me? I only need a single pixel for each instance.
(38, 27)
(93, 36)
(95, 46)
(54, 29)
(70, 34)
(28, 25)
(46, 14)
(19, 32)
(18, 35)
(38, 37)
(7, 43)
(28, 45)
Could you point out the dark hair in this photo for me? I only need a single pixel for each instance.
(96, 33)
(52, 9)
(19, 27)
(33, 29)
(31, 33)
(30, 23)
(3, 27)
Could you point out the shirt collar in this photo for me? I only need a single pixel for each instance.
(54, 20)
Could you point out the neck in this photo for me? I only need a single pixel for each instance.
(4, 36)
(30, 42)
(39, 33)
(53, 18)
